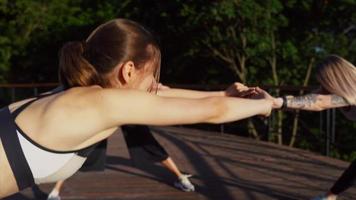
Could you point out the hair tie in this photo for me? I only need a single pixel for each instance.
(285, 103)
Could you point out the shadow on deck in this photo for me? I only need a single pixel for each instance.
(224, 167)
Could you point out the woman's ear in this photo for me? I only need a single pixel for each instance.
(127, 72)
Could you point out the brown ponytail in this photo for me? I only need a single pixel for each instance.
(114, 42)
(74, 69)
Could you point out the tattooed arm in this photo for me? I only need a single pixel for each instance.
(315, 102)
(312, 102)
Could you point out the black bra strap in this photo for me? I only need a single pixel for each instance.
(25, 105)
(81, 152)
(16, 112)
(13, 151)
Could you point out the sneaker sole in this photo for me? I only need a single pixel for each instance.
(179, 186)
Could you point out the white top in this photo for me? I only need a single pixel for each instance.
(47, 166)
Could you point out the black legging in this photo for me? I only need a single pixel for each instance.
(347, 179)
(140, 141)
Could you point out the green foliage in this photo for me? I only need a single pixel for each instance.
(29, 26)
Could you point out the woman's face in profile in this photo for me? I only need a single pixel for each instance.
(145, 79)
(147, 83)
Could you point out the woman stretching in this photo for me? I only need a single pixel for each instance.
(109, 79)
(337, 78)
(140, 140)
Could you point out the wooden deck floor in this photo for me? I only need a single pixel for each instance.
(225, 167)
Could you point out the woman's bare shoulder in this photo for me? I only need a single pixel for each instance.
(76, 95)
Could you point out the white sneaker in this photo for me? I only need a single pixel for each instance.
(184, 184)
(53, 195)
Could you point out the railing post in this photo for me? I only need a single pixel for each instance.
(12, 94)
(333, 124)
(321, 122)
(35, 91)
(330, 130)
(222, 128)
(270, 123)
(328, 133)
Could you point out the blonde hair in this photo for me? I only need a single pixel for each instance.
(338, 76)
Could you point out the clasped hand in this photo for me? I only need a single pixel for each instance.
(242, 91)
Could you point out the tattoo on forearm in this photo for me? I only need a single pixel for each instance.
(302, 101)
(314, 101)
(338, 101)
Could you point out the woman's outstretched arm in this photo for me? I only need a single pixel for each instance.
(234, 90)
(118, 107)
(313, 102)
